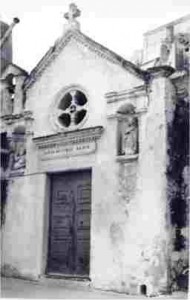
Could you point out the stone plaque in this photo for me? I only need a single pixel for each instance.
(58, 151)
(74, 143)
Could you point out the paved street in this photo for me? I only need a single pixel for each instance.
(61, 289)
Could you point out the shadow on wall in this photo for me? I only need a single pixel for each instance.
(178, 178)
(4, 166)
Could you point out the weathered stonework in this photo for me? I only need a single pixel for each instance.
(131, 141)
(178, 193)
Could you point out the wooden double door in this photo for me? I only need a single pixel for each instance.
(69, 224)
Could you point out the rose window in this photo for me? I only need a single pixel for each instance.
(72, 109)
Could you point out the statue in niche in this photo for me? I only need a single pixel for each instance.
(130, 136)
(18, 154)
(165, 50)
(6, 100)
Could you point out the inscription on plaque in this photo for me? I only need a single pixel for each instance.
(54, 151)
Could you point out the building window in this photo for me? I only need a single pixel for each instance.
(72, 109)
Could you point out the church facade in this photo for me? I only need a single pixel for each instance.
(96, 163)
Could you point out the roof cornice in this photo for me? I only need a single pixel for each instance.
(93, 46)
(70, 137)
(14, 70)
(172, 23)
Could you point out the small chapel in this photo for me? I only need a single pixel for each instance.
(95, 162)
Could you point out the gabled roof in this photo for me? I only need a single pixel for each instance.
(99, 49)
(13, 70)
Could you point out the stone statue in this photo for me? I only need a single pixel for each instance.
(130, 136)
(6, 103)
(18, 155)
(165, 49)
(19, 160)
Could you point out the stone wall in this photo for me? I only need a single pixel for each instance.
(178, 188)
(23, 230)
(128, 228)
(130, 217)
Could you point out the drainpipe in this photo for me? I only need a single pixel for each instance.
(9, 31)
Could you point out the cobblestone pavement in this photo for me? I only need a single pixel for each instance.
(62, 289)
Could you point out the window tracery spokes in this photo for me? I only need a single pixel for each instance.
(72, 109)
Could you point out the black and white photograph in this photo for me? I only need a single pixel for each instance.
(95, 149)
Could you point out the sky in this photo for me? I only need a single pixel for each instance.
(117, 24)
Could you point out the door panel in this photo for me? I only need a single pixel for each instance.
(69, 232)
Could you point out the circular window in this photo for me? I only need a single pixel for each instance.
(71, 111)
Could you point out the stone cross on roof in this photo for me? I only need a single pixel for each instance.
(72, 14)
